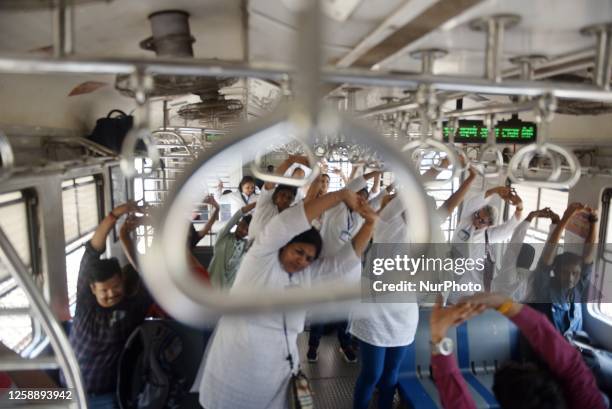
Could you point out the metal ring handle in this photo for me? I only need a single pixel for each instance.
(177, 136)
(462, 158)
(129, 146)
(178, 291)
(434, 145)
(498, 163)
(533, 149)
(287, 180)
(8, 158)
(553, 157)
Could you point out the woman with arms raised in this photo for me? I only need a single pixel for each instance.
(246, 364)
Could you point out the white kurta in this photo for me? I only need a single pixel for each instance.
(339, 225)
(387, 324)
(265, 210)
(237, 200)
(245, 364)
(509, 280)
(469, 242)
(513, 281)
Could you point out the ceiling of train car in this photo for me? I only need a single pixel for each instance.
(116, 28)
(272, 29)
(547, 27)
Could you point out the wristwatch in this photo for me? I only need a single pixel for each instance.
(444, 347)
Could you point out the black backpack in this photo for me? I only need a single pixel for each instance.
(150, 373)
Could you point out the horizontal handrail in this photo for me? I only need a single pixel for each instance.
(24, 64)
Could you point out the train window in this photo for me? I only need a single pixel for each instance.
(16, 329)
(539, 198)
(81, 216)
(335, 180)
(80, 206)
(118, 192)
(604, 262)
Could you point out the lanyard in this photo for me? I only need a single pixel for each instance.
(245, 199)
(349, 221)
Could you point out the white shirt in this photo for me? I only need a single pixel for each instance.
(265, 210)
(339, 224)
(510, 280)
(469, 242)
(245, 364)
(387, 324)
(236, 201)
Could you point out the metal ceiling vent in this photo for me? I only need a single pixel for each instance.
(171, 34)
(172, 39)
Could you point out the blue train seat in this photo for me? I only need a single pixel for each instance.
(481, 345)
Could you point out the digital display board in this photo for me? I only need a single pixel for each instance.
(513, 131)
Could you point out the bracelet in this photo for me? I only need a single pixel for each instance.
(111, 214)
(505, 307)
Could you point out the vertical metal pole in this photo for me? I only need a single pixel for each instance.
(492, 47)
(63, 28)
(603, 53)
(61, 346)
(494, 27)
(165, 108)
(526, 64)
(427, 63)
(601, 57)
(308, 65)
(351, 98)
(428, 57)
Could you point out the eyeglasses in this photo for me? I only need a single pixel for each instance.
(482, 220)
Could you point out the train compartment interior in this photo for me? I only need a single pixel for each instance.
(474, 130)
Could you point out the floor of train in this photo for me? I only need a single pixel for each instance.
(332, 379)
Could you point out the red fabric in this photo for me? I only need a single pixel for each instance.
(155, 311)
(202, 272)
(564, 362)
(5, 381)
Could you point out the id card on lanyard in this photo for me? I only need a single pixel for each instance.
(345, 235)
(464, 235)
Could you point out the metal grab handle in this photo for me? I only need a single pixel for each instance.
(554, 159)
(8, 158)
(129, 146)
(525, 154)
(432, 144)
(453, 131)
(166, 271)
(287, 180)
(178, 136)
(497, 163)
(462, 158)
(490, 146)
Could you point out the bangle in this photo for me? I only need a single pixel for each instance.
(111, 214)
(505, 307)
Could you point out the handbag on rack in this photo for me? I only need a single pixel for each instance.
(110, 131)
(299, 393)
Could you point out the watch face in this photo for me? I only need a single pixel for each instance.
(445, 347)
